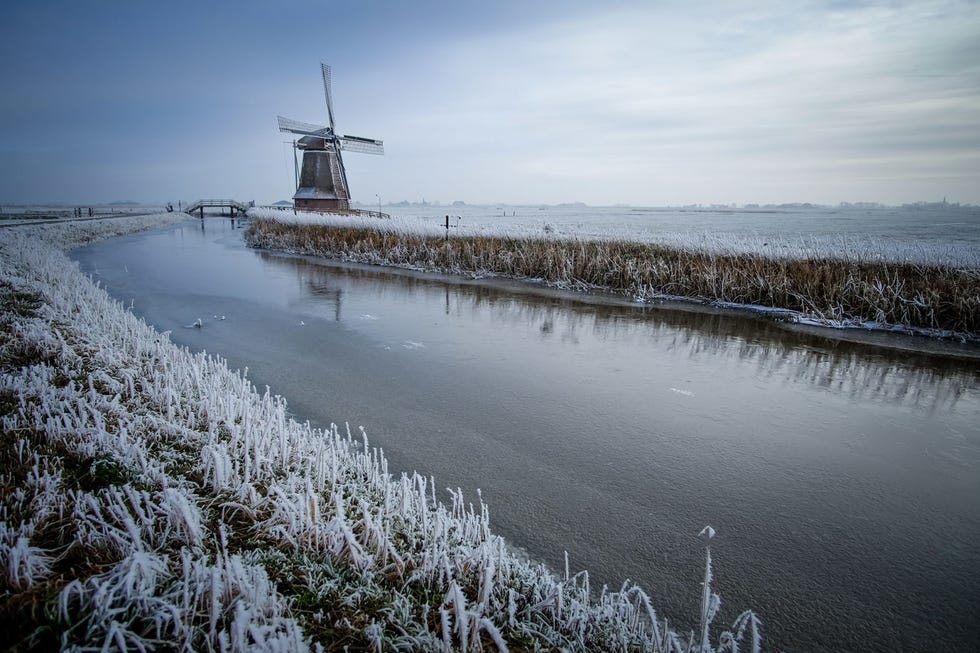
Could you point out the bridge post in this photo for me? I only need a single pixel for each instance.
(202, 211)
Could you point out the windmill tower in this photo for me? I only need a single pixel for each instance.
(322, 184)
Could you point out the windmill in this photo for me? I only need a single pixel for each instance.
(322, 183)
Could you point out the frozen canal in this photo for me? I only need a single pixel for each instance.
(843, 480)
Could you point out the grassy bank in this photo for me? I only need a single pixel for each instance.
(840, 288)
(152, 499)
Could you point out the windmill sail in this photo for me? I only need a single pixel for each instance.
(304, 128)
(362, 145)
(325, 73)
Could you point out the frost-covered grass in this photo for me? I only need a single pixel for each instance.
(151, 498)
(853, 247)
(859, 285)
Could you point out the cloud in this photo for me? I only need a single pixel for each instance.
(661, 97)
(545, 102)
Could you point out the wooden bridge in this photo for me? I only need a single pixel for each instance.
(232, 205)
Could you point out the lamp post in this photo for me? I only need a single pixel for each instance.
(379, 202)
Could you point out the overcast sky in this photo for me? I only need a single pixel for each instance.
(644, 103)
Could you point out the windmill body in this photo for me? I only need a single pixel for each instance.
(322, 184)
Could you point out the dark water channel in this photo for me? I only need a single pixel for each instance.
(843, 480)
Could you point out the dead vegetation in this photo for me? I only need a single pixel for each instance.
(835, 290)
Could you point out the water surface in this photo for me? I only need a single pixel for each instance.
(843, 480)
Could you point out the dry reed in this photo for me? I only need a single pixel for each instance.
(835, 290)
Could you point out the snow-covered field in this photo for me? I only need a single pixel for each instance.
(718, 237)
(11, 215)
(152, 498)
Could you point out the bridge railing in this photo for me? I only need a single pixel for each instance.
(202, 204)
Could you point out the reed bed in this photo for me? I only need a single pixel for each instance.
(856, 287)
(151, 498)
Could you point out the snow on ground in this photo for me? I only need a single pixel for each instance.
(150, 497)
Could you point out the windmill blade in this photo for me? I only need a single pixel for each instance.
(304, 128)
(325, 72)
(362, 145)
